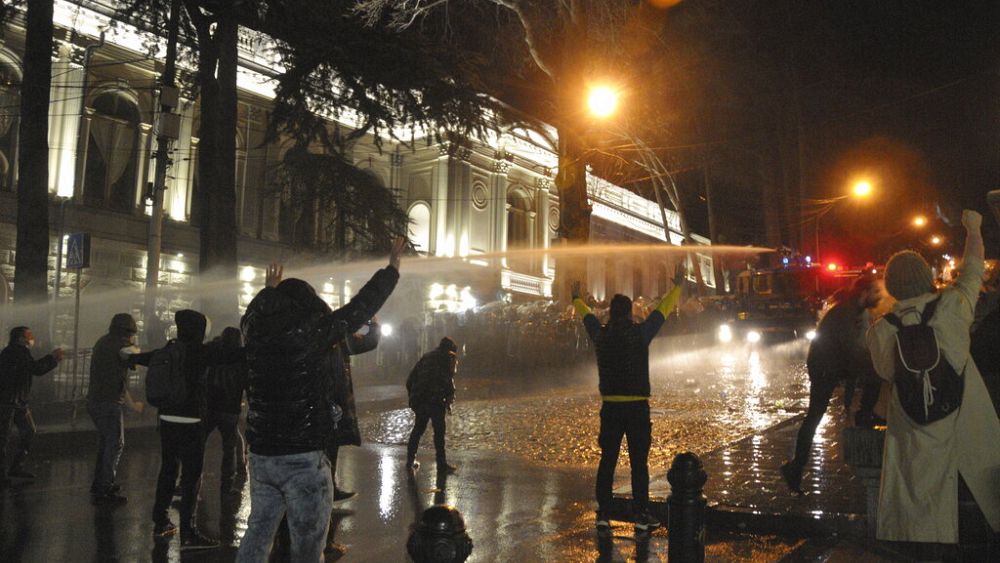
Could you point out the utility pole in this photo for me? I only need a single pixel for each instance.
(168, 128)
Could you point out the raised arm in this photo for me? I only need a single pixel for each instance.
(970, 281)
(655, 320)
(351, 317)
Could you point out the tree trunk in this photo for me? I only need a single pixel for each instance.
(217, 60)
(32, 249)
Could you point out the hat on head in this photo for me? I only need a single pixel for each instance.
(907, 275)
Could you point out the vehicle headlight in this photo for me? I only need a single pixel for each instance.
(811, 335)
(725, 334)
(753, 337)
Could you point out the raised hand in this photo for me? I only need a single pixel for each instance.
(273, 274)
(680, 274)
(395, 255)
(972, 220)
(58, 354)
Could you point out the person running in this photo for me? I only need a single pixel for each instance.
(837, 354)
(109, 368)
(431, 390)
(622, 348)
(17, 371)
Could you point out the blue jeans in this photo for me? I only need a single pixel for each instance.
(107, 419)
(299, 485)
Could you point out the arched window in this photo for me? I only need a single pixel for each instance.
(420, 227)
(112, 152)
(518, 206)
(518, 228)
(10, 102)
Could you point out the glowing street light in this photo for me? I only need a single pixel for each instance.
(919, 221)
(862, 189)
(935, 240)
(602, 101)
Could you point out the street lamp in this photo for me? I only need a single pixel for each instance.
(861, 190)
(602, 101)
(935, 240)
(919, 221)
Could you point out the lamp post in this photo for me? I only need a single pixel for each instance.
(861, 189)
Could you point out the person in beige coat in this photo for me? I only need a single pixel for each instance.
(922, 464)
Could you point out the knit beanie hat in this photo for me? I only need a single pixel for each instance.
(907, 275)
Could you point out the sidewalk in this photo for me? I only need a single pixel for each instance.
(745, 492)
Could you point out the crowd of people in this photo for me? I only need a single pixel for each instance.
(934, 349)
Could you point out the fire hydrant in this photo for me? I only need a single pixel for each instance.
(686, 510)
(439, 537)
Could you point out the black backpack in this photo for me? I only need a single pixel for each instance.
(165, 384)
(929, 389)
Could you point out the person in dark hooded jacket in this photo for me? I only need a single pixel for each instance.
(17, 371)
(431, 390)
(224, 392)
(622, 348)
(182, 442)
(347, 432)
(290, 335)
(109, 366)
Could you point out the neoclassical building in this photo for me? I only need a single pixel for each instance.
(496, 196)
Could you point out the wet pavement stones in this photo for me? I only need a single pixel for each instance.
(745, 489)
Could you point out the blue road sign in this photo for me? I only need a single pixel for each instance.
(78, 251)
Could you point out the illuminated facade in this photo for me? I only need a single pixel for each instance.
(498, 195)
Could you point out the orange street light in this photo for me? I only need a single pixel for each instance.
(602, 101)
(935, 240)
(920, 221)
(862, 189)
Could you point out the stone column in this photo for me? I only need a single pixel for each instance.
(64, 118)
(439, 205)
(501, 167)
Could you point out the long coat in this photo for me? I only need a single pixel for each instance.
(347, 432)
(918, 497)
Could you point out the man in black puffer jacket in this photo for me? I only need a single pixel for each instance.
(182, 443)
(290, 335)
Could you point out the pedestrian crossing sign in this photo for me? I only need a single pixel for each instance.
(78, 251)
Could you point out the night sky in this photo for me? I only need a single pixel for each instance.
(902, 93)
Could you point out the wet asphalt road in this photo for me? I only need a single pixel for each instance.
(525, 483)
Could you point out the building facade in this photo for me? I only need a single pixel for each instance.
(474, 206)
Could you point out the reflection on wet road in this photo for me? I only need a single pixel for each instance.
(525, 480)
(701, 401)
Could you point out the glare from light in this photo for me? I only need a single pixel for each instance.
(602, 101)
(809, 259)
(874, 271)
(862, 189)
(935, 240)
(248, 274)
(725, 334)
(386, 329)
(831, 266)
(753, 337)
(436, 290)
(811, 335)
(919, 221)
